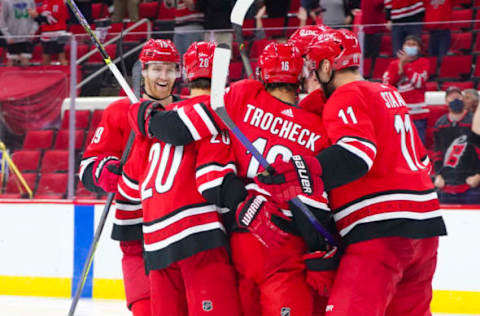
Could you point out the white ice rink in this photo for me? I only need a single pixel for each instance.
(39, 306)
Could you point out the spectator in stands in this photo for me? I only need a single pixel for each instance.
(404, 11)
(471, 99)
(217, 17)
(308, 8)
(409, 73)
(456, 161)
(338, 12)
(52, 17)
(372, 13)
(119, 8)
(189, 23)
(18, 27)
(438, 11)
(277, 8)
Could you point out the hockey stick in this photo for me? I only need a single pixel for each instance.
(236, 18)
(133, 99)
(221, 60)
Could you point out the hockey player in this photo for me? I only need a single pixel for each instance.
(185, 241)
(270, 273)
(99, 166)
(384, 203)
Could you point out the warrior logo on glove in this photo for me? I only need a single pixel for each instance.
(303, 174)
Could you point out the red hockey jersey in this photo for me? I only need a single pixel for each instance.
(55, 11)
(396, 197)
(438, 11)
(185, 16)
(168, 181)
(411, 84)
(110, 139)
(404, 9)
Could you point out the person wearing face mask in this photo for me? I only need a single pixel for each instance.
(409, 73)
(456, 162)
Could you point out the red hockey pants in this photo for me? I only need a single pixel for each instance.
(271, 280)
(385, 276)
(201, 285)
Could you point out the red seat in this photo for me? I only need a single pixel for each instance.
(82, 49)
(274, 27)
(82, 192)
(165, 13)
(79, 29)
(97, 58)
(55, 160)
(99, 11)
(96, 118)
(476, 46)
(137, 34)
(26, 160)
(82, 119)
(258, 46)
(61, 142)
(461, 43)
(38, 139)
(386, 45)
(148, 10)
(13, 188)
(292, 25)
(433, 65)
(367, 67)
(381, 65)
(455, 67)
(464, 17)
(460, 84)
(235, 71)
(248, 28)
(431, 86)
(114, 30)
(476, 73)
(294, 5)
(52, 186)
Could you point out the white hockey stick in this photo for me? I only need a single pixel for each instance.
(236, 18)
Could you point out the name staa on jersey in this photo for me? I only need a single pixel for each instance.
(278, 130)
(167, 183)
(396, 197)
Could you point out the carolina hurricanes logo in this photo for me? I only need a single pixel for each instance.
(455, 152)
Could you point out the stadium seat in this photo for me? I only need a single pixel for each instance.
(461, 43)
(476, 46)
(460, 84)
(82, 49)
(455, 67)
(274, 27)
(96, 118)
(54, 161)
(367, 67)
(38, 139)
(52, 186)
(98, 59)
(381, 65)
(78, 28)
(26, 160)
(137, 34)
(476, 73)
(82, 119)
(386, 46)
(114, 30)
(148, 10)
(431, 86)
(248, 28)
(82, 193)
(13, 188)
(476, 24)
(465, 17)
(165, 13)
(235, 71)
(99, 11)
(257, 47)
(433, 66)
(61, 142)
(292, 25)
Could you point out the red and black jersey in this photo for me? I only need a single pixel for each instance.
(404, 10)
(168, 182)
(185, 16)
(411, 84)
(455, 158)
(396, 196)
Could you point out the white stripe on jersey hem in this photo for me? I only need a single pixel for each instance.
(392, 215)
(354, 150)
(313, 203)
(399, 16)
(84, 164)
(128, 207)
(188, 124)
(206, 118)
(255, 187)
(410, 7)
(384, 198)
(185, 213)
(127, 222)
(210, 184)
(364, 143)
(128, 197)
(129, 183)
(181, 235)
(202, 171)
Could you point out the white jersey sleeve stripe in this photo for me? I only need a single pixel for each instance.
(206, 119)
(210, 184)
(126, 196)
(202, 171)
(191, 128)
(354, 150)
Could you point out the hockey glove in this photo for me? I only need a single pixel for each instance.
(139, 115)
(321, 269)
(301, 175)
(256, 214)
(106, 172)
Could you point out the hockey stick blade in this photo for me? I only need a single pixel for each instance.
(239, 11)
(221, 60)
(236, 18)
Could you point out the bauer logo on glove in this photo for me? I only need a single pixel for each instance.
(303, 175)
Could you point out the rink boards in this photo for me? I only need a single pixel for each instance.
(43, 245)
